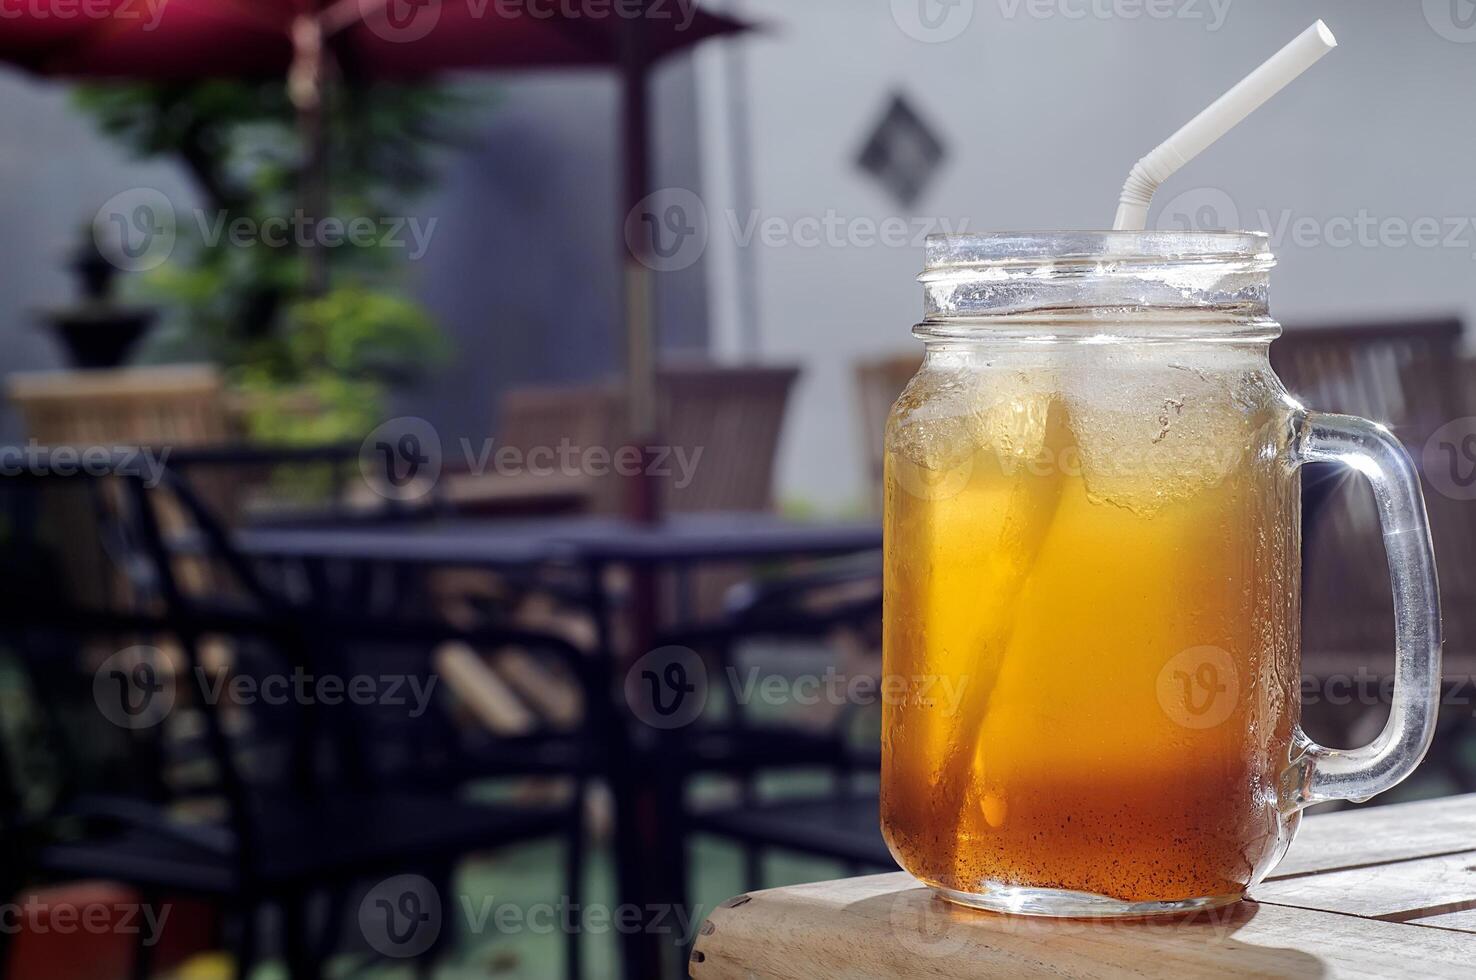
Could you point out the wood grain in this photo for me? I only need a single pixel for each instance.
(1465, 920)
(888, 926)
(1386, 891)
(1400, 891)
(1376, 835)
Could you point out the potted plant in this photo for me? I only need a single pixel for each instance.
(311, 364)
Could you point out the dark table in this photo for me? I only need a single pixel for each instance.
(463, 542)
(592, 544)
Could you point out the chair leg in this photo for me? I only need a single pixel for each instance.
(302, 964)
(671, 803)
(9, 887)
(249, 913)
(574, 887)
(333, 922)
(143, 945)
(753, 858)
(442, 878)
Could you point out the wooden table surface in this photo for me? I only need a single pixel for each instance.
(1369, 892)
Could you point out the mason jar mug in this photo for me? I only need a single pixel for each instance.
(1092, 579)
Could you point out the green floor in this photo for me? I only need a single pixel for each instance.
(531, 875)
(528, 876)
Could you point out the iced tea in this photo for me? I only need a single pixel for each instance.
(1111, 589)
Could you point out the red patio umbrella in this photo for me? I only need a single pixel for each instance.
(191, 39)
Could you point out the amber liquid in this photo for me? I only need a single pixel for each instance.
(1105, 684)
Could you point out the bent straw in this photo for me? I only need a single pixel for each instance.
(1215, 121)
(1028, 517)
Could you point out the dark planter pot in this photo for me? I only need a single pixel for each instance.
(100, 336)
(96, 333)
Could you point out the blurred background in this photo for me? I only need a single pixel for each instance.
(507, 354)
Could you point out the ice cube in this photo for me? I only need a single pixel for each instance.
(1151, 431)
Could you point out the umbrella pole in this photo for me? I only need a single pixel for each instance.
(313, 194)
(642, 500)
(307, 84)
(648, 848)
(642, 492)
(315, 197)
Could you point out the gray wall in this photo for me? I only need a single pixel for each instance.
(1043, 117)
(524, 265)
(56, 172)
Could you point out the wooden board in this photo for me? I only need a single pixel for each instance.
(1379, 834)
(1379, 892)
(1401, 891)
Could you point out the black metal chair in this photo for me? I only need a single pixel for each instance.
(835, 599)
(303, 810)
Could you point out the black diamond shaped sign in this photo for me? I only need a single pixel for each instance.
(902, 153)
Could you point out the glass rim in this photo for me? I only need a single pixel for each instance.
(1002, 249)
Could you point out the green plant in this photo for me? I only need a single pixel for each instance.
(247, 306)
(238, 139)
(342, 351)
(357, 333)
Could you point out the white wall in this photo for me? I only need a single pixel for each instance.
(1043, 117)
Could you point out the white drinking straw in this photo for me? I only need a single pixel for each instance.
(1215, 121)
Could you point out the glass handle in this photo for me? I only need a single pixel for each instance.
(1319, 774)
